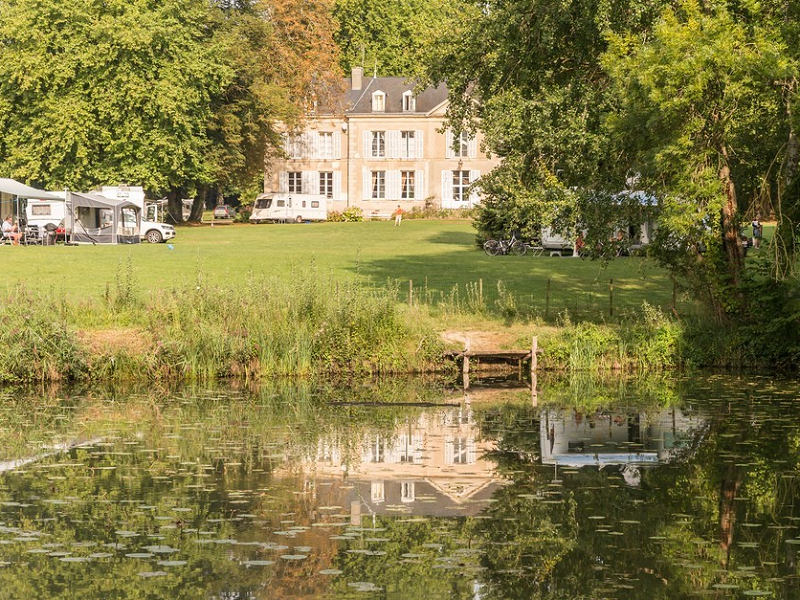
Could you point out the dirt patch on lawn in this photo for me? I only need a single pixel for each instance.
(109, 341)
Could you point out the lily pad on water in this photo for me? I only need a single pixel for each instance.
(140, 555)
(294, 556)
(171, 563)
(331, 572)
(152, 574)
(258, 563)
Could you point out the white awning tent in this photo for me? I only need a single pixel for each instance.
(95, 219)
(20, 190)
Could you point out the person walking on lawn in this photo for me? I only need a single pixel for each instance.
(398, 216)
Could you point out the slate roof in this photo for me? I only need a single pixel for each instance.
(359, 102)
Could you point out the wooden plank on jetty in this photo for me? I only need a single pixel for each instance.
(518, 356)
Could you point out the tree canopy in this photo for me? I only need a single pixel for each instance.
(690, 103)
(173, 95)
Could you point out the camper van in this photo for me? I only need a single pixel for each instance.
(290, 207)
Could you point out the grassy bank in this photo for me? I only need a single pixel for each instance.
(255, 302)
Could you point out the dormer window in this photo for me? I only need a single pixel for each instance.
(409, 102)
(378, 102)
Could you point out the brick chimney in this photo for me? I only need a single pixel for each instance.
(356, 78)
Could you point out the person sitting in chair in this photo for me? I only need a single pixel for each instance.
(11, 231)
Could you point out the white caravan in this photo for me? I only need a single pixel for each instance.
(290, 207)
(46, 214)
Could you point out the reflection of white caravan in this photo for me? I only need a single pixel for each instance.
(290, 207)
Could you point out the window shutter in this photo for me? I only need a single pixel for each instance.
(337, 185)
(393, 185)
(366, 180)
(474, 198)
(418, 135)
(448, 140)
(311, 182)
(393, 144)
(447, 188)
(337, 145)
(283, 182)
(419, 185)
(367, 144)
(314, 150)
(472, 147)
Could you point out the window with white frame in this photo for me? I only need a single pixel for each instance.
(460, 452)
(378, 144)
(325, 144)
(326, 183)
(407, 181)
(461, 145)
(378, 102)
(408, 144)
(294, 146)
(378, 185)
(409, 102)
(295, 182)
(376, 451)
(461, 186)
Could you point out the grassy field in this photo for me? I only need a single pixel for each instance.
(439, 257)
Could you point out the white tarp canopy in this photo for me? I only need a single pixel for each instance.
(20, 190)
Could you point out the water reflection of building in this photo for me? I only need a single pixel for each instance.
(570, 437)
(430, 465)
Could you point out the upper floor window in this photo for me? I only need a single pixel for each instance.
(409, 102)
(325, 144)
(378, 102)
(461, 145)
(378, 144)
(294, 146)
(408, 144)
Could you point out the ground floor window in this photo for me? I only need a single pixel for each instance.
(295, 182)
(407, 185)
(326, 183)
(461, 185)
(378, 185)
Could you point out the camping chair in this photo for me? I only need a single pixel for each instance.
(31, 236)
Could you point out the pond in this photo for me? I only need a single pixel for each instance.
(404, 489)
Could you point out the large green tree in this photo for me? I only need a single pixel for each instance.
(180, 96)
(689, 102)
(392, 38)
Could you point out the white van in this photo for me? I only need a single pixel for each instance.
(290, 207)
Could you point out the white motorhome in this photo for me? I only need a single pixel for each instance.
(290, 207)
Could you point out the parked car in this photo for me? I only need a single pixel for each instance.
(224, 211)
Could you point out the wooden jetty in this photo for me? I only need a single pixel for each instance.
(507, 356)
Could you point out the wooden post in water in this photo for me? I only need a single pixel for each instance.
(411, 292)
(610, 297)
(465, 362)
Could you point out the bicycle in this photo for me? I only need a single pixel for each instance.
(512, 246)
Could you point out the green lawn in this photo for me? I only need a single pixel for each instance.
(437, 255)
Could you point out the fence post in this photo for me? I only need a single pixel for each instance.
(480, 291)
(465, 362)
(534, 367)
(547, 300)
(610, 297)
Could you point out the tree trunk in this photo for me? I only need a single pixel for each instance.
(732, 244)
(727, 512)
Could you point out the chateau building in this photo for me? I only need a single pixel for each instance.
(387, 147)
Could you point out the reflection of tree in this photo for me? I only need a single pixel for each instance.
(718, 514)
